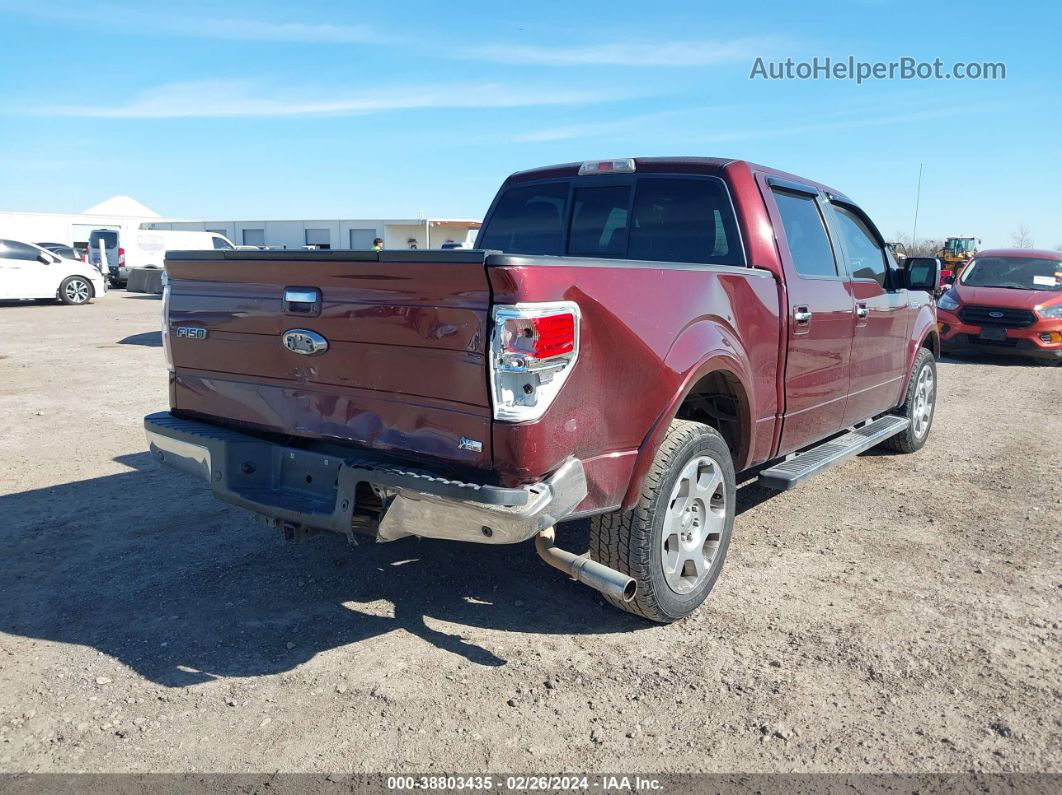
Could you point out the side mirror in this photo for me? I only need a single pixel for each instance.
(922, 273)
(44, 259)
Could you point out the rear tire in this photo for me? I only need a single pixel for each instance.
(674, 542)
(75, 290)
(918, 406)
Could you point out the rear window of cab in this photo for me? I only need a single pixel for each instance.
(657, 218)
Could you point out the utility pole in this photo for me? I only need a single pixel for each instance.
(918, 200)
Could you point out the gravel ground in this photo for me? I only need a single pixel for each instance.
(899, 613)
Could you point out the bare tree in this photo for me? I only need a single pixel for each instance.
(1022, 237)
(919, 248)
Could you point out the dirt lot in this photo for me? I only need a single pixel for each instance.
(896, 614)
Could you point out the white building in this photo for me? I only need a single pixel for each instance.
(334, 234)
(125, 213)
(73, 229)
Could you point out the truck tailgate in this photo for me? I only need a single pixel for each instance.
(404, 369)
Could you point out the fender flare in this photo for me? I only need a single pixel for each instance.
(926, 326)
(721, 361)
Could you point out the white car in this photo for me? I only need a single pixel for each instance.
(29, 271)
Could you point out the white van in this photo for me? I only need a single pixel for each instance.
(145, 248)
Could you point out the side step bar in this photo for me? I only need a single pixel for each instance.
(802, 466)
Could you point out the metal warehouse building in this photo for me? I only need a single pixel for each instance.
(353, 233)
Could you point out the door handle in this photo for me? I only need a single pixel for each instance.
(302, 301)
(801, 315)
(861, 310)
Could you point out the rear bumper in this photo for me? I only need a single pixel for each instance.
(309, 489)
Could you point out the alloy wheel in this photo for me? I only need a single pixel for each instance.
(693, 524)
(77, 291)
(923, 402)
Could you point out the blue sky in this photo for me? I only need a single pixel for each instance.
(340, 109)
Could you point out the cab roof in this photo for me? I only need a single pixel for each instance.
(680, 164)
(693, 164)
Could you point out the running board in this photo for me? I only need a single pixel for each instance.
(802, 466)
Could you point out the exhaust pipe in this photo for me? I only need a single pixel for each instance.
(589, 572)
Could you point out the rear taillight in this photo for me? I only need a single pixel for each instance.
(121, 258)
(533, 349)
(539, 338)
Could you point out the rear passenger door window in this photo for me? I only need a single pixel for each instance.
(805, 232)
(866, 258)
(528, 220)
(599, 222)
(684, 220)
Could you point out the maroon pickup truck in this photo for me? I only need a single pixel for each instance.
(627, 335)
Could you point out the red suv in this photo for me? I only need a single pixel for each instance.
(1005, 301)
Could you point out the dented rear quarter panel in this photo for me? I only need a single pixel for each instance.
(647, 329)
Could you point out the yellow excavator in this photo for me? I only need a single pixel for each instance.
(957, 251)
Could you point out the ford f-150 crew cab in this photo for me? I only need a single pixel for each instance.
(625, 338)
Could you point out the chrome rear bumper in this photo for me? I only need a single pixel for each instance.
(313, 490)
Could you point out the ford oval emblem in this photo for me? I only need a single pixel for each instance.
(995, 314)
(308, 343)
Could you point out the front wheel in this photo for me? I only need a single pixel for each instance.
(675, 540)
(75, 290)
(918, 405)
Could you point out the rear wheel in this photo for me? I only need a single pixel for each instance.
(918, 405)
(675, 540)
(75, 290)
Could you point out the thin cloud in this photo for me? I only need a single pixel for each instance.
(663, 126)
(113, 17)
(260, 30)
(162, 21)
(672, 53)
(250, 99)
(883, 119)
